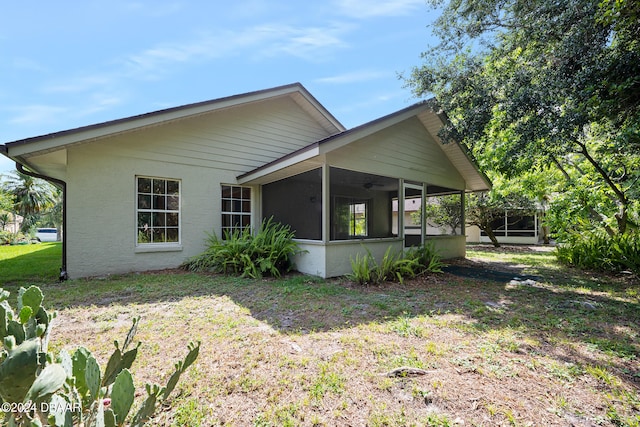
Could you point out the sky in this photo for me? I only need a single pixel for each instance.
(66, 64)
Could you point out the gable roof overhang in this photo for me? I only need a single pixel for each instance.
(21, 150)
(312, 156)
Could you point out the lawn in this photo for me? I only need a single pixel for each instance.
(30, 263)
(558, 350)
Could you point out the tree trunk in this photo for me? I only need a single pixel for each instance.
(489, 231)
(592, 212)
(621, 197)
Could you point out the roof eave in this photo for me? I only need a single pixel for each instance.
(465, 150)
(480, 183)
(56, 140)
(331, 142)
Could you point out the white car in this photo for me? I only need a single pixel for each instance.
(47, 235)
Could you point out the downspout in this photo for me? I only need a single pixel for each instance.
(63, 269)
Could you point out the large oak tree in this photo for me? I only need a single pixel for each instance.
(535, 84)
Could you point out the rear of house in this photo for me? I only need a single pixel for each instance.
(515, 226)
(142, 192)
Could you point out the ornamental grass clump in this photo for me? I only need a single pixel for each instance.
(241, 252)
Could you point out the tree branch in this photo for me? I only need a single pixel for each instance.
(622, 198)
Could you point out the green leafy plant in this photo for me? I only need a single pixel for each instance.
(394, 265)
(600, 251)
(69, 389)
(427, 257)
(268, 252)
(362, 268)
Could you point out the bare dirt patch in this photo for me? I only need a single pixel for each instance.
(300, 351)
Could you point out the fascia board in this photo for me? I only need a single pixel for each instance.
(354, 134)
(283, 164)
(94, 132)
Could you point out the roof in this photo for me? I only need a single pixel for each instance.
(21, 150)
(57, 140)
(459, 156)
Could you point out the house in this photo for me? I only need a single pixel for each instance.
(143, 191)
(10, 222)
(515, 226)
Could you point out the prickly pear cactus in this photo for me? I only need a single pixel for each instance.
(24, 334)
(31, 320)
(74, 389)
(18, 371)
(122, 395)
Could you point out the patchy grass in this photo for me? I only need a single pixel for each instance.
(562, 350)
(23, 264)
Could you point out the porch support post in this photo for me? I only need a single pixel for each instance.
(463, 228)
(401, 213)
(326, 205)
(423, 214)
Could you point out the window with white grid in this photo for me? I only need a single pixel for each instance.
(157, 210)
(236, 209)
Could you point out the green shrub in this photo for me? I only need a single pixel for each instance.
(268, 252)
(599, 251)
(68, 390)
(5, 237)
(362, 268)
(394, 266)
(427, 257)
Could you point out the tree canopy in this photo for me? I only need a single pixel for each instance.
(540, 85)
(32, 197)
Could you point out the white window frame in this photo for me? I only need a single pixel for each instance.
(151, 211)
(229, 208)
(358, 207)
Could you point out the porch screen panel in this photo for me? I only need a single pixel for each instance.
(443, 213)
(297, 202)
(361, 205)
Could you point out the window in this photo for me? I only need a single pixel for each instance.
(350, 218)
(158, 210)
(358, 219)
(514, 224)
(236, 208)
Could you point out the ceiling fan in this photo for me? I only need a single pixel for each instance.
(369, 185)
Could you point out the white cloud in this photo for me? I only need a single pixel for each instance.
(100, 102)
(158, 9)
(104, 89)
(374, 8)
(309, 43)
(27, 64)
(313, 44)
(373, 101)
(80, 84)
(35, 114)
(355, 77)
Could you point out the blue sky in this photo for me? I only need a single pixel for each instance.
(67, 63)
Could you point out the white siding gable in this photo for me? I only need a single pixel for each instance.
(405, 150)
(236, 139)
